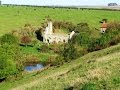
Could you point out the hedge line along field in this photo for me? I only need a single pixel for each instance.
(13, 17)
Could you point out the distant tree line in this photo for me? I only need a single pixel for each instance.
(65, 7)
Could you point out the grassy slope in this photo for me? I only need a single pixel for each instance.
(13, 17)
(98, 70)
(92, 68)
(33, 51)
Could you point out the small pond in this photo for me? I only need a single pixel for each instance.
(34, 67)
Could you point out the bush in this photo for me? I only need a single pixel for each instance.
(57, 48)
(11, 60)
(36, 43)
(44, 48)
(82, 39)
(31, 59)
(57, 24)
(9, 39)
(71, 28)
(69, 52)
(27, 30)
(113, 26)
(7, 66)
(105, 40)
(82, 52)
(63, 25)
(58, 61)
(100, 43)
(116, 80)
(82, 27)
(116, 39)
(26, 40)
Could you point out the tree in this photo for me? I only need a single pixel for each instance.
(82, 27)
(7, 66)
(11, 60)
(69, 52)
(81, 39)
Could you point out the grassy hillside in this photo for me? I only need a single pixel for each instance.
(94, 71)
(13, 17)
(99, 70)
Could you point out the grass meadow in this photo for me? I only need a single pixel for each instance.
(98, 70)
(14, 17)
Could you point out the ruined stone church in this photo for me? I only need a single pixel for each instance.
(50, 37)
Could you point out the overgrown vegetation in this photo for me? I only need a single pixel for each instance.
(9, 39)
(83, 42)
(97, 70)
(11, 60)
(23, 45)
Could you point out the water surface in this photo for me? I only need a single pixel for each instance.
(33, 67)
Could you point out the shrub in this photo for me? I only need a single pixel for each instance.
(27, 25)
(31, 59)
(116, 80)
(7, 66)
(36, 43)
(104, 20)
(11, 60)
(82, 27)
(115, 40)
(57, 48)
(69, 52)
(57, 24)
(104, 40)
(113, 26)
(62, 24)
(71, 28)
(100, 43)
(66, 25)
(81, 39)
(94, 45)
(27, 30)
(9, 39)
(26, 40)
(44, 48)
(58, 61)
(82, 52)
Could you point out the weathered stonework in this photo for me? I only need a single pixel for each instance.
(50, 37)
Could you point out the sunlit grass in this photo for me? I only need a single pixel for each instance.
(13, 17)
(80, 73)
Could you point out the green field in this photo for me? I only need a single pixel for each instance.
(98, 70)
(14, 17)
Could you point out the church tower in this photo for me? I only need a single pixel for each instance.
(50, 27)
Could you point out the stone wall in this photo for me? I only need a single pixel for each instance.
(50, 37)
(56, 38)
